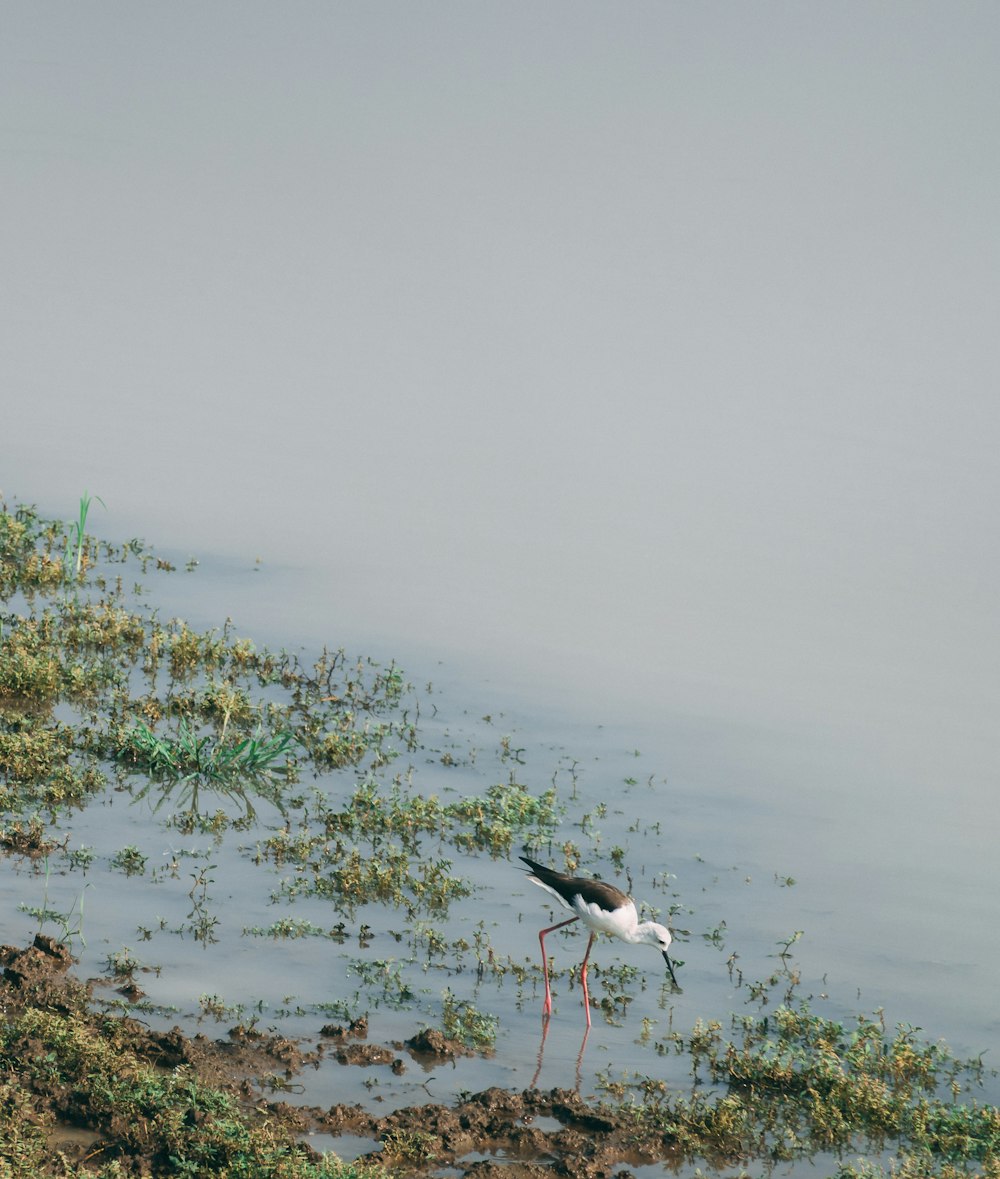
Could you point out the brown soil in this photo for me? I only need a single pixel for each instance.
(588, 1143)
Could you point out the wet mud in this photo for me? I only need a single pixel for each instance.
(586, 1142)
(488, 1133)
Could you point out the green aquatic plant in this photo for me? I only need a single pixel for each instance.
(618, 985)
(201, 922)
(122, 965)
(27, 561)
(791, 1084)
(386, 974)
(80, 857)
(240, 721)
(431, 942)
(351, 878)
(31, 672)
(371, 848)
(236, 769)
(68, 922)
(129, 860)
(291, 928)
(461, 1021)
(27, 837)
(42, 767)
(506, 814)
(77, 535)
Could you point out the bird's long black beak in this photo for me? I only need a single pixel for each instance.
(670, 969)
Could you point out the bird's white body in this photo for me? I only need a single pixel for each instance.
(621, 922)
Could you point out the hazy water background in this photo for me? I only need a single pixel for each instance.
(632, 367)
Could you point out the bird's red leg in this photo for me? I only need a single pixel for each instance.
(583, 980)
(547, 1006)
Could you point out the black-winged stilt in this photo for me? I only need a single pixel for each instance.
(603, 909)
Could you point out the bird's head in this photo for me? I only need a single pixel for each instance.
(659, 936)
(662, 935)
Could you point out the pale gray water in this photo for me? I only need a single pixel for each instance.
(640, 365)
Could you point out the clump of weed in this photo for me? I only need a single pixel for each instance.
(460, 1020)
(292, 928)
(409, 1148)
(31, 673)
(27, 837)
(386, 975)
(373, 848)
(129, 860)
(790, 1084)
(351, 878)
(43, 767)
(68, 922)
(235, 768)
(505, 814)
(27, 547)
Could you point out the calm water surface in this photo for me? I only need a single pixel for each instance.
(754, 831)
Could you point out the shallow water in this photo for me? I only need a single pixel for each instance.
(741, 858)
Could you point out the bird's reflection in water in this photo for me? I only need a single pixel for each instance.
(546, 1019)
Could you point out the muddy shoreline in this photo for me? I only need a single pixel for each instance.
(588, 1142)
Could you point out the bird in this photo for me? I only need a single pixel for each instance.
(603, 909)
